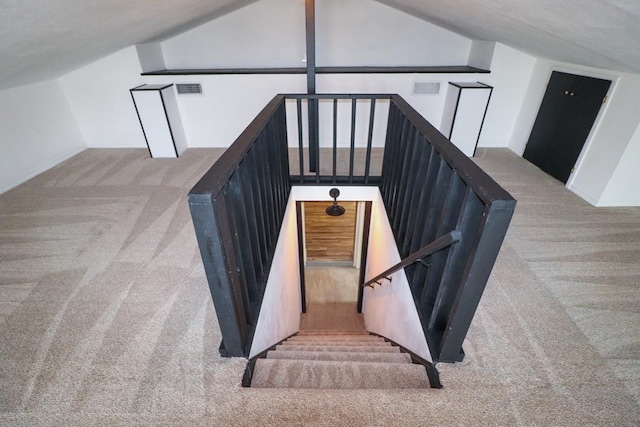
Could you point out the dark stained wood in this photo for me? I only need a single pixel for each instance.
(443, 69)
(329, 238)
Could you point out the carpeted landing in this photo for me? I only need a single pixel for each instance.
(338, 360)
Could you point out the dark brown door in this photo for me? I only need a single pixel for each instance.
(569, 108)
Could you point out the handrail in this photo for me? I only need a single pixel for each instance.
(433, 247)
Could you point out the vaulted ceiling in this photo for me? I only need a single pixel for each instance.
(44, 39)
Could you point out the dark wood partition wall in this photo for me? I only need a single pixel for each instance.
(430, 190)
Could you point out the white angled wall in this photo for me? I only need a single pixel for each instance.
(511, 71)
(366, 32)
(280, 311)
(622, 189)
(100, 100)
(267, 33)
(37, 131)
(389, 310)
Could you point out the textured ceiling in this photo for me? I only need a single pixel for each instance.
(43, 39)
(597, 33)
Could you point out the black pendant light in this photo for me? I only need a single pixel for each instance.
(335, 209)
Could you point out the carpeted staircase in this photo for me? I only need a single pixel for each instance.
(337, 360)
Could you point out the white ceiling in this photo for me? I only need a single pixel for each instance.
(42, 39)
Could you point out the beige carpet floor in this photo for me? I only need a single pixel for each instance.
(331, 294)
(106, 319)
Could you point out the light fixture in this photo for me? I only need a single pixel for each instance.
(335, 209)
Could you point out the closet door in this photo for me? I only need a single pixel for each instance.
(569, 108)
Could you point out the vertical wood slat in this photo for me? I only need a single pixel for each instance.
(457, 259)
(395, 154)
(236, 266)
(335, 138)
(453, 205)
(411, 180)
(404, 170)
(243, 236)
(238, 298)
(258, 207)
(266, 187)
(263, 202)
(300, 229)
(407, 129)
(435, 161)
(364, 252)
(388, 159)
(418, 207)
(255, 242)
(438, 196)
(367, 166)
(315, 123)
(273, 164)
(491, 233)
(300, 144)
(353, 139)
(438, 260)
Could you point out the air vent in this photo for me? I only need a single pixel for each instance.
(426, 88)
(189, 88)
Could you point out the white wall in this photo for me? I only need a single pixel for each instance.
(150, 56)
(280, 312)
(511, 71)
(365, 32)
(622, 189)
(227, 105)
(267, 33)
(37, 131)
(272, 29)
(608, 140)
(389, 310)
(429, 106)
(100, 100)
(481, 54)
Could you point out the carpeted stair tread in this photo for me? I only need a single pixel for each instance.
(357, 348)
(278, 373)
(340, 355)
(338, 342)
(328, 338)
(332, 332)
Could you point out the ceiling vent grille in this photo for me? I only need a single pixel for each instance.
(189, 88)
(426, 88)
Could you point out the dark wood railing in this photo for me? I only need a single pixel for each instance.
(428, 186)
(429, 189)
(314, 168)
(237, 209)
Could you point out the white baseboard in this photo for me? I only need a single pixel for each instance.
(619, 203)
(65, 156)
(583, 196)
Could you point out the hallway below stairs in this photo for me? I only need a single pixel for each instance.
(333, 350)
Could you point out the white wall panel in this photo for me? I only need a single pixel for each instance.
(37, 131)
(101, 103)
